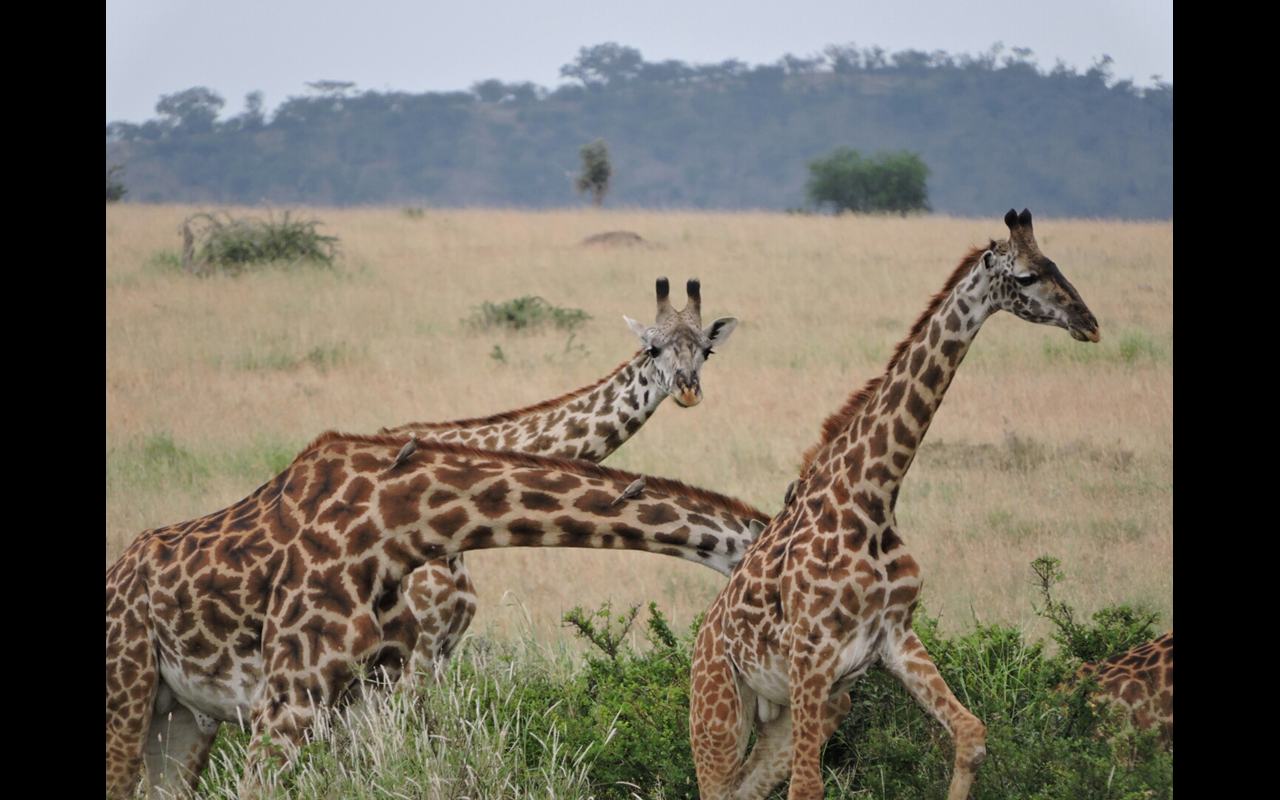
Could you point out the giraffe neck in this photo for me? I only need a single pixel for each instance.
(588, 424)
(875, 443)
(450, 499)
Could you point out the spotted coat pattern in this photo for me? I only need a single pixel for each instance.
(264, 611)
(1140, 681)
(438, 601)
(829, 588)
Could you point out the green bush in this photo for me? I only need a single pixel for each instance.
(525, 313)
(516, 721)
(885, 182)
(234, 244)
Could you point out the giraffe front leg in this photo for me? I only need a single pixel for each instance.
(443, 601)
(719, 720)
(909, 662)
(811, 714)
(770, 761)
(178, 745)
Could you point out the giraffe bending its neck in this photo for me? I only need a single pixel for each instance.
(437, 602)
(264, 611)
(829, 588)
(1140, 681)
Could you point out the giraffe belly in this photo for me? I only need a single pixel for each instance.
(855, 659)
(227, 700)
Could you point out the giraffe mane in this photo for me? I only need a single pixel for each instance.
(509, 416)
(858, 400)
(585, 469)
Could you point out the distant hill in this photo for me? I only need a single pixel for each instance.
(995, 132)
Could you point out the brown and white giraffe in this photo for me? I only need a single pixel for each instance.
(828, 590)
(438, 601)
(265, 611)
(1140, 681)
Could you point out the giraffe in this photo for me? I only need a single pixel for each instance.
(829, 589)
(437, 601)
(264, 612)
(1140, 681)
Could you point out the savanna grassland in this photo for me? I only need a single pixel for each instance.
(1043, 445)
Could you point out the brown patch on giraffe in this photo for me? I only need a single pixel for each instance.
(525, 533)
(902, 567)
(400, 502)
(598, 503)
(576, 532)
(492, 502)
(656, 513)
(540, 501)
(449, 522)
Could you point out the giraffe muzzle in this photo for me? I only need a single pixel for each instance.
(687, 393)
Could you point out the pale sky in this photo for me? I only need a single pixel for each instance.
(157, 47)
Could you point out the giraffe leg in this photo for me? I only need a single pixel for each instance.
(178, 745)
(721, 711)
(133, 675)
(910, 664)
(770, 761)
(443, 602)
(811, 715)
(295, 691)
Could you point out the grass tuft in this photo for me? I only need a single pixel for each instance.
(525, 313)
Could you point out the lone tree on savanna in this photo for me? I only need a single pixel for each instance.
(885, 182)
(595, 171)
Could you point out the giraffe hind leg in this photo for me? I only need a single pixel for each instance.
(178, 744)
(909, 662)
(133, 674)
(721, 712)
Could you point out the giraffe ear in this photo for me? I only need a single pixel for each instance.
(987, 259)
(756, 527)
(718, 331)
(638, 329)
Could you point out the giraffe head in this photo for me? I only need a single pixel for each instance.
(678, 345)
(1028, 284)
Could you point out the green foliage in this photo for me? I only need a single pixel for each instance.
(886, 182)
(115, 187)
(594, 174)
(524, 313)
(235, 244)
(511, 722)
(1114, 630)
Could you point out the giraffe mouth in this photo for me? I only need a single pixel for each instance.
(1092, 335)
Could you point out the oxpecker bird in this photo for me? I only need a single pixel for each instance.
(631, 492)
(406, 452)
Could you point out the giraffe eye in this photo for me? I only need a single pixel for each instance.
(1028, 279)
(653, 352)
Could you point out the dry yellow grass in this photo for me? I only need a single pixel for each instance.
(1044, 445)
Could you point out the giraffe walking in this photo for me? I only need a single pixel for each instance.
(437, 602)
(828, 590)
(264, 611)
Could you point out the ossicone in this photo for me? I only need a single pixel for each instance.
(1011, 218)
(664, 289)
(1024, 219)
(664, 299)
